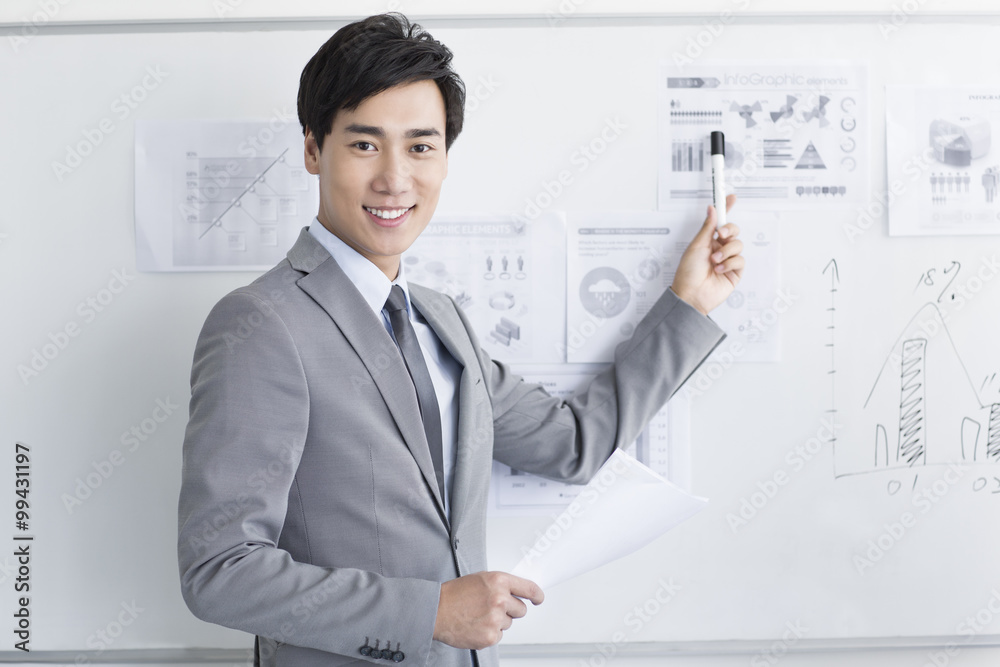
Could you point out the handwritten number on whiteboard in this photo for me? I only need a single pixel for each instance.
(927, 278)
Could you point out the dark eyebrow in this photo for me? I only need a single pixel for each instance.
(416, 134)
(375, 131)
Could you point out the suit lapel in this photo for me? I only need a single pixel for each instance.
(327, 284)
(442, 317)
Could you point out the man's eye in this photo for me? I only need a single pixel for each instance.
(421, 148)
(364, 145)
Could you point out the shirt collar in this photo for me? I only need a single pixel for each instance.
(366, 277)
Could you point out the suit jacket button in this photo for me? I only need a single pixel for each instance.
(398, 657)
(386, 654)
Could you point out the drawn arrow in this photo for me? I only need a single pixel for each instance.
(835, 274)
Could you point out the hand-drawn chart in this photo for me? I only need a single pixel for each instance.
(934, 400)
(219, 195)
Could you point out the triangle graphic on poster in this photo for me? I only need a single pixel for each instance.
(810, 159)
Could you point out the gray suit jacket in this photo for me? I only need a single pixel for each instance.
(309, 514)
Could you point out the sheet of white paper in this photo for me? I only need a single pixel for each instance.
(664, 446)
(219, 195)
(623, 508)
(503, 273)
(943, 173)
(619, 263)
(796, 133)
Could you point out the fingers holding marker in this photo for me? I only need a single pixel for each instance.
(732, 265)
(727, 249)
(729, 231)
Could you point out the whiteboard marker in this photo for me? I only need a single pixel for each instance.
(719, 177)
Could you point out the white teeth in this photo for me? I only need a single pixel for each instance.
(390, 214)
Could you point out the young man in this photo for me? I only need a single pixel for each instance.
(334, 484)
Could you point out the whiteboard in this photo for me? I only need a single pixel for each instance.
(66, 245)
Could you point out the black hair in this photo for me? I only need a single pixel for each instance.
(367, 57)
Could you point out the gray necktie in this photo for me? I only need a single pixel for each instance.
(406, 339)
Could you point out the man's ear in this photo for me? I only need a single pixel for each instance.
(311, 153)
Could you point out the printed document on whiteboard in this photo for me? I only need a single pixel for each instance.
(796, 133)
(503, 274)
(943, 170)
(219, 195)
(619, 263)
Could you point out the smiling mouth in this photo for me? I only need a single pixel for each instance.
(388, 214)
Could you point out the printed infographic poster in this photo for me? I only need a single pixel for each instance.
(219, 195)
(663, 446)
(943, 170)
(796, 133)
(503, 273)
(619, 263)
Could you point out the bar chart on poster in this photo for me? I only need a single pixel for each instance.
(846, 431)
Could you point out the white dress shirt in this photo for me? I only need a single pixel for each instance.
(444, 370)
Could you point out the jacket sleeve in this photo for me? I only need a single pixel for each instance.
(249, 416)
(569, 440)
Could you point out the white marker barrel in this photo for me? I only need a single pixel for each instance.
(719, 177)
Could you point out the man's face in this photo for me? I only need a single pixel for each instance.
(381, 169)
